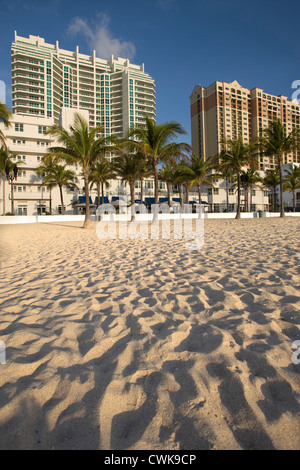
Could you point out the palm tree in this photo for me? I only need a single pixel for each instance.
(291, 182)
(155, 141)
(249, 180)
(198, 172)
(101, 172)
(271, 181)
(168, 174)
(60, 175)
(145, 172)
(5, 115)
(180, 179)
(127, 166)
(234, 156)
(47, 164)
(276, 143)
(226, 175)
(6, 166)
(82, 146)
(254, 181)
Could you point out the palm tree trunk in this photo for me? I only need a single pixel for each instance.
(62, 200)
(12, 199)
(187, 196)
(200, 199)
(50, 202)
(294, 200)
(132, 198)
(282, 214)
(142, 190)
(238, 211)
(169, 193)
(181, 195)
(87, 220)
(199, 193)
(98, 193)
(98, 200)
(227, 194)
(274, 199)
(3, 179)
(155, 183)
(102, 191)
(155, 168)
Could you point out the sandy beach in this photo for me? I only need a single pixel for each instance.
(142, 344)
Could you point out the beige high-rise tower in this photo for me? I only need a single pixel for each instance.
(228, 110)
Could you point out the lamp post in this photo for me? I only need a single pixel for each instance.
(11, 175)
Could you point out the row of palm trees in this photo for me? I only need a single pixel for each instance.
(148, 146)
(139, 154)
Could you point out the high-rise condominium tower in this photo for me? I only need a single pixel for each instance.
(46, 78)
(228, 110)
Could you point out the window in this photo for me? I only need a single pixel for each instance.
(231, 191)
(19, 127)
(149, 184)
(42, 129)
(22, 210)
(42, 210)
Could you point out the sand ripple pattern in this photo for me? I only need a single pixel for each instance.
(144, 345)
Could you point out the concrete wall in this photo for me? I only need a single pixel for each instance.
(8, 220)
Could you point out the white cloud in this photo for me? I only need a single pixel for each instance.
(167, 5)
(100, 38)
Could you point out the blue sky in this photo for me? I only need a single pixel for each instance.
(181, 42)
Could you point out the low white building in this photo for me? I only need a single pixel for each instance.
(28, 143)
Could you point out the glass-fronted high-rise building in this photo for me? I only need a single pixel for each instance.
(46, 79)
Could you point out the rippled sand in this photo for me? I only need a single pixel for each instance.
(145, 345)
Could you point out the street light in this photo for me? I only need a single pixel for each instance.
(11, 174)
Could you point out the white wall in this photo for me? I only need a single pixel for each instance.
(80, 218)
